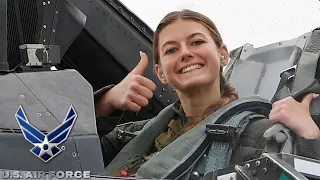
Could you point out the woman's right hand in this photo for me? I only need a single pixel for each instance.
(132, 93)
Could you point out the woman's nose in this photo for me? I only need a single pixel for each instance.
(185, 53)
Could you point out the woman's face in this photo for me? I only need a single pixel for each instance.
(189, 58)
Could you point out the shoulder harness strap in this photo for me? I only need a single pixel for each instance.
(224, 138)
(178, 157)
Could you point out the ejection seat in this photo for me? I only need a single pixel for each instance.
(257, 70)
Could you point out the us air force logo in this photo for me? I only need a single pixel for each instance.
(46, 146)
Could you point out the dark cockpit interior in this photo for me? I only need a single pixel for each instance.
(101, 39)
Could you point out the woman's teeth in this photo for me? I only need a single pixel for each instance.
(190, 68)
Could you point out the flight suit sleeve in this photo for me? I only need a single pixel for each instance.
(108, 129)
(304, 147)
(308, 147)
(106, 124)
(251, 142)
(112, 143)
(254, 132)
(99, 93)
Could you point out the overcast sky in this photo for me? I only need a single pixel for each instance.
(258, 22)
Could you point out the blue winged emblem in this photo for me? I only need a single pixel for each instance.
(46, 146)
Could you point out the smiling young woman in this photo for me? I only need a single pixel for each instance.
(189, 55)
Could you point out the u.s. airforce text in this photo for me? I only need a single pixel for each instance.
(44, 175)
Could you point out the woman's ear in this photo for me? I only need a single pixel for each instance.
(224, 59)
(160, 74)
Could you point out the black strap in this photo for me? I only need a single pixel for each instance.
(284, 91)
(299, 79)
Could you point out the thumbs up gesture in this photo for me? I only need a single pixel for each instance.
(296, 116)
(132, 93)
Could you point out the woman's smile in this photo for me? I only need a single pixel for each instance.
(191, 68)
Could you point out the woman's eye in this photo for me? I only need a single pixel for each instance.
(197, 42)
(171, 50)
